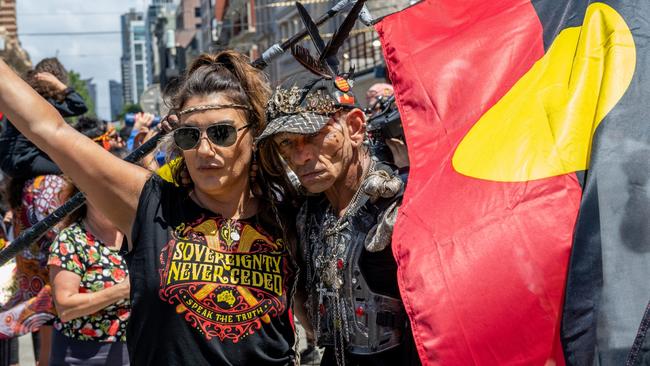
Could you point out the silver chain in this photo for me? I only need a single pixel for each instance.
(329, 249)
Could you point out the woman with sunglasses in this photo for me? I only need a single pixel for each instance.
(211, 270)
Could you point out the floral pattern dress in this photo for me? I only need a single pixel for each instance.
(27, 302)
(40, 197)
(78, 251)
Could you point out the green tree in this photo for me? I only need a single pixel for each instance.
(129, 108)
(79, 85)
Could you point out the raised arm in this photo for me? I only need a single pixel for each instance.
(110, 183)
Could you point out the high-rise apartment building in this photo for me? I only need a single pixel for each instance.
(159, 11)
(188, 32)
(92, 93)
(8, 19)
(135, 56)
(116, 98)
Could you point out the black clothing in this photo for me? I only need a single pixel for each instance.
(206, 290)
(68, 351)
(318, 228)
(20, 158)
(404, 355)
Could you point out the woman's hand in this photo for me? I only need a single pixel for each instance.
(125, 287)
(71, 304)
(46, 77)
(169, 123)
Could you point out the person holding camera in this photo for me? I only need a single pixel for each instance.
(385, 126)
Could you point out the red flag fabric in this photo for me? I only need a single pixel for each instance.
(482, 248)
(517, 115)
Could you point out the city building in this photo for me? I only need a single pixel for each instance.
(164, 38)
(157, 10)
(247, 25)
(10, 49)
(92, 93)
(187, 37)
(208, 31)
(251, 26)
(116, 98)
(134, 61)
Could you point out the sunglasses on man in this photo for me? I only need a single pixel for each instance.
(220, 134)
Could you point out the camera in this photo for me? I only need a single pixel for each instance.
(129, 120)
(384, 123)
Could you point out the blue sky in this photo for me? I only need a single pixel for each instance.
(96, 56)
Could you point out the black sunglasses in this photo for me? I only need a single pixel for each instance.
(220, 134)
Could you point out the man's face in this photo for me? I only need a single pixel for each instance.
(319, 160)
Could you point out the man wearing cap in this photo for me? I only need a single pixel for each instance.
(345, 223)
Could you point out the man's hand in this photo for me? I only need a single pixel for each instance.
(48, 78)
(400, 153)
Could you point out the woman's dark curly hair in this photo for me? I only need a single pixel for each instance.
(45, 89)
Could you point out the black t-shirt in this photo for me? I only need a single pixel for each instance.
(206, 290)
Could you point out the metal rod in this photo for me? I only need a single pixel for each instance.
(27, 237)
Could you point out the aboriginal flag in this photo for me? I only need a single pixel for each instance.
(524, 235)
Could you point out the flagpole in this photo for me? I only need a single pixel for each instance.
(27, 237)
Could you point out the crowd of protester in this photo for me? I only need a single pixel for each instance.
(110, 280)
(33, 187)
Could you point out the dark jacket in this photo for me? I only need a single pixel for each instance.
(20, 158)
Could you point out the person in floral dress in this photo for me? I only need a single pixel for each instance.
(90, 287)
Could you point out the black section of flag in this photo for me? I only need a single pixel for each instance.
(558, 15)
(608, 284)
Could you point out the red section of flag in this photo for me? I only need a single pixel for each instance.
(482, 264)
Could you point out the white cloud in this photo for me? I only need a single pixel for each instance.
(93, 56)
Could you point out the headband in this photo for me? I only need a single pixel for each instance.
(200, 108)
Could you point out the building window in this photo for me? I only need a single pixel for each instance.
(138, 52)
(138, 33)
(197, 12)
(139, 81)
